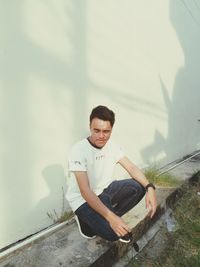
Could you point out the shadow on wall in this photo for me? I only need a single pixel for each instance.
(21, 59)
(183, 107)
(134, 103)
(56, 193)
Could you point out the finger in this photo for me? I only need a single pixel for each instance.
(148, 206)
(150, 214)
(118, 231)
(154, 211)
(126, 228)
(123, 231)
(118, 234)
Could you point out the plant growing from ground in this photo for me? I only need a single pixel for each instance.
(165, 179)
(65, 215)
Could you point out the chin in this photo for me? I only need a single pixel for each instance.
(100, 144)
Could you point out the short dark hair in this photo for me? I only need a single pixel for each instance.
(103, 113)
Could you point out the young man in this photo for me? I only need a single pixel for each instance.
(97, 201)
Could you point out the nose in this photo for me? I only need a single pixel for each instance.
(101, 134)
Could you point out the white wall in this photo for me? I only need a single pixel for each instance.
(59, 59)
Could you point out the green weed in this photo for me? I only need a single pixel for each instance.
(165, 179)
(65, 215)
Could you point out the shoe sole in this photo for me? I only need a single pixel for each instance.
(79, 228)
(124, 241)
(135, 245)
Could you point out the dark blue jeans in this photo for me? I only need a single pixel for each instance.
(120, 196)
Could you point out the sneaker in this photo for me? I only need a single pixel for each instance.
(84, 229)
(126, 238)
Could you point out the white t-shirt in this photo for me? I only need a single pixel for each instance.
(99, 165)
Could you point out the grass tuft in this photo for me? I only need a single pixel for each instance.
(65, 215)
(165, 179)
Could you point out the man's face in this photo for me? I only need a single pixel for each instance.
(100, 132)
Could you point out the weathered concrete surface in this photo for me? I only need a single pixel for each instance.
(186, 170)
(65, 247)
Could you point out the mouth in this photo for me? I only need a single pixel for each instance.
(101, 142)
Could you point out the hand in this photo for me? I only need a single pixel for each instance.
(118, 225)
(151, 202)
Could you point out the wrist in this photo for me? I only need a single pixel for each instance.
(150, 185)
(110, 215)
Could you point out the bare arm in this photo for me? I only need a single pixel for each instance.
(138, 175)
(116, 223)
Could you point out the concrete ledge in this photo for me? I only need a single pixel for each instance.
(167, 197)
(117, 250)
(65, 247)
